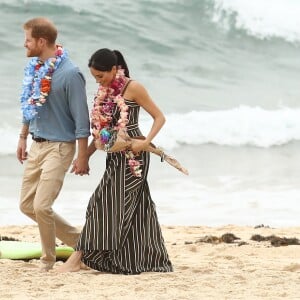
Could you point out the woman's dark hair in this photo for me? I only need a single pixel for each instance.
(104, 59)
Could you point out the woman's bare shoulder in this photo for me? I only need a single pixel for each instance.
(135, 87)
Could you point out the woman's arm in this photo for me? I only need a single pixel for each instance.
(139, 94)
(91, 149)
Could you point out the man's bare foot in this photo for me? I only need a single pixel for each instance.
(45, 266)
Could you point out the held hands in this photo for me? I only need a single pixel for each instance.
(80, 166)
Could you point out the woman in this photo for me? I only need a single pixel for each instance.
(121, 233)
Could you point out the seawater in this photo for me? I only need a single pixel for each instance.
(224, 72)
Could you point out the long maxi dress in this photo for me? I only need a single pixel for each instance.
(122, 233)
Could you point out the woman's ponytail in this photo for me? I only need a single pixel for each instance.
(121, 62)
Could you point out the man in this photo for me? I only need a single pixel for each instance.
(55, 114)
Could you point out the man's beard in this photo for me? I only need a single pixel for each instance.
(33, 52)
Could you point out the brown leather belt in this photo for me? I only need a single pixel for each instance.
(39, 139)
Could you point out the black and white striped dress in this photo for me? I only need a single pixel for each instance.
(122, 233)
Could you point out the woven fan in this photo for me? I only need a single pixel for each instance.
(121, 141)
(165, 157)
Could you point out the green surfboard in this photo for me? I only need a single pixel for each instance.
(27, 250)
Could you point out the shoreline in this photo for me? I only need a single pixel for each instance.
(239, 185)
(202, 270)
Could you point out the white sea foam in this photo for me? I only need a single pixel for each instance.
(240, 126)
(263, 19)
(234, 127)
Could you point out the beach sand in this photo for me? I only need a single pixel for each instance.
(245, 269)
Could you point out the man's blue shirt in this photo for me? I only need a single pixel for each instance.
(65, 116)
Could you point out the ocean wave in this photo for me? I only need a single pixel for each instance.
(184, 57)
(262, 19)
(240, 126)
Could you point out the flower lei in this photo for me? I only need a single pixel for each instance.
(37, 82)
(105, 102)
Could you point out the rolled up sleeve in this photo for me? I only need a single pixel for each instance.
(76, 94)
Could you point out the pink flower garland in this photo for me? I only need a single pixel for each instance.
(106, 100)
(104, 103)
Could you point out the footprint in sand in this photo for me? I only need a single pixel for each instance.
(183, 268)
(28, 265)
(292, 268)
(202, 270)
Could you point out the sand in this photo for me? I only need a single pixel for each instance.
(245, 269)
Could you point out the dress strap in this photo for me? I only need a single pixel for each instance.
(125, 87)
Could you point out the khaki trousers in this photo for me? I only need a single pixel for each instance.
(43, 178)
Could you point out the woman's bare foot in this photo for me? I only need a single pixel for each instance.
(73, 264)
